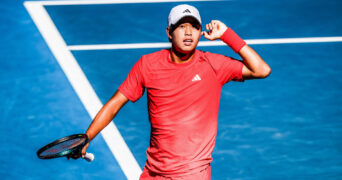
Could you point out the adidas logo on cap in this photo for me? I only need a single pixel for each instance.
(187, 11)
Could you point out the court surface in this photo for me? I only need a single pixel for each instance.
(61, 61)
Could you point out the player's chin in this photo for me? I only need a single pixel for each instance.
(188, 48)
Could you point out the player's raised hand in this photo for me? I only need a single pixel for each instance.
(215, 29)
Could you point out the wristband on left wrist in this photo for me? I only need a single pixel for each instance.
(233, 40)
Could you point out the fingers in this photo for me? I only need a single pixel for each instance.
(215, 30)
(84, 149)
(206, 35)
(78, 154)
(212, 25)
(207, 27)
(212, 29)
(209, 35)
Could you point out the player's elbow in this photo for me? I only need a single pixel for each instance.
(264, 72)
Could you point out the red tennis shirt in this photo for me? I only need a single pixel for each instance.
(183, 103)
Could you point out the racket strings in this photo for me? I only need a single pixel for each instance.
(63, 147)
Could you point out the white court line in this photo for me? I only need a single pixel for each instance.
(87, 2)
(81, 85)
(204, 43)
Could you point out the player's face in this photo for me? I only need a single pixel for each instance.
(186, 36)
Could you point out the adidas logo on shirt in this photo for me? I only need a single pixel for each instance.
(196, 78)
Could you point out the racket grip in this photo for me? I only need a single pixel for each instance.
(89, 157)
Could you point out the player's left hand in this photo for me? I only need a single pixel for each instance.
(215, 29)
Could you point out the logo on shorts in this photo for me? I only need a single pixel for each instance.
(196, 78)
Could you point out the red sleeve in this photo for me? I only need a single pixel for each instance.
(226, 68)
(133, 86)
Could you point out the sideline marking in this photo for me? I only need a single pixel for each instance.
(81, 85)
(205, 43)
(87, 2)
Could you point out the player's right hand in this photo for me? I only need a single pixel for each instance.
(84, 150)
(78, 155)
(215, 29)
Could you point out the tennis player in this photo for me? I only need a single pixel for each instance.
(183, 90)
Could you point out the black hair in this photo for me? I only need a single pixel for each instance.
(190, 19)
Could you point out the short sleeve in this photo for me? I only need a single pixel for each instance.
(133, 86)
(226, 68)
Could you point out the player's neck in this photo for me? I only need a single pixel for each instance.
(178, 57)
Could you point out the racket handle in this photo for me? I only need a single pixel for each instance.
(89, 157)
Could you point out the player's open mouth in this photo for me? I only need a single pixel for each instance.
(187, 42)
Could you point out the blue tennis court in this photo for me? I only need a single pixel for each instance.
(62, 60)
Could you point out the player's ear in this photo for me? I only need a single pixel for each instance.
(168, 34)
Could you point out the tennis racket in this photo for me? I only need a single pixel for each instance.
(67, 146)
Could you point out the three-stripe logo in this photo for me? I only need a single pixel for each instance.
(196, 78)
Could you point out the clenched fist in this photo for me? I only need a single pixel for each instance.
(215, 29)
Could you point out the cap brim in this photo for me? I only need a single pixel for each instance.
(188, 18)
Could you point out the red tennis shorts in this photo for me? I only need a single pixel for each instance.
(202, 175)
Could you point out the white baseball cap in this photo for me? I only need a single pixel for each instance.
(181, 11)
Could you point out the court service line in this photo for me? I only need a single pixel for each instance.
(82, 87)
(205, 43)
(87, 2)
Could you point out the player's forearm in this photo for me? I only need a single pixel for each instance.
(102, 119)
(106, 115)
(258, 67)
